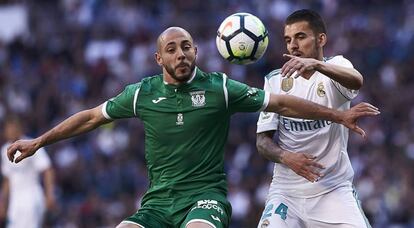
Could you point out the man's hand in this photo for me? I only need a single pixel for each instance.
(26, 147)
(351, 116)
(298, 65)
(303, 165)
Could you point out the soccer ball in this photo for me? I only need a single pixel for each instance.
(242, 38)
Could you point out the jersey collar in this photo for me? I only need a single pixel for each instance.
(190, 80)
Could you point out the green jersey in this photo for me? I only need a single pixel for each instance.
(186, 128)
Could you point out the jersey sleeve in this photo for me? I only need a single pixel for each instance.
(347, 93)
(124, 105)
(268, 121)
(242, 98)
(41, 160)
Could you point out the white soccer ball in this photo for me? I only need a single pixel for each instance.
(242, 38)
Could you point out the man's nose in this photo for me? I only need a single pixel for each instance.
(294, 44)
(180, 54)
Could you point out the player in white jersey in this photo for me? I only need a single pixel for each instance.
(23, 201)
(312, 180)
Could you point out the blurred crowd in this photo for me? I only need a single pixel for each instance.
(70, 55)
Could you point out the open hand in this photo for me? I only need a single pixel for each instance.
(303, 165)
(351, 116)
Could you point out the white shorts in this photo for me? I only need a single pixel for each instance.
(339, 208)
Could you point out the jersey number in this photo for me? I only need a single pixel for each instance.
(280, 210)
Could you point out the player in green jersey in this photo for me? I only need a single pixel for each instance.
(186, 114)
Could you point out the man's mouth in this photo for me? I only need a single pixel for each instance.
(182, 65)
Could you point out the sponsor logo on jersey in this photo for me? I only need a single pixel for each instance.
(180, 119)
(207, 205)
(321, 90)
(155, 101)
(308, 125)
(198, 98)
(287, 84)
(215, 218)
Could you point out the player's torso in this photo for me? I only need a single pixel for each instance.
(186, 128)
(299, 134)
(321, 138)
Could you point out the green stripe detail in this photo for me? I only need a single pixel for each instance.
(326, 59)
(274, 73)
(360, 207)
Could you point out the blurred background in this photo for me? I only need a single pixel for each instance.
(58, 57)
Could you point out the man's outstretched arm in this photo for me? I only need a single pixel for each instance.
(76, 124)
(292, 106)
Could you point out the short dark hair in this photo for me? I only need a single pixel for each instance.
(313, 18)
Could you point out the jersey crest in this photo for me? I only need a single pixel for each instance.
(321, 90)
(287, 84)
(198, 99)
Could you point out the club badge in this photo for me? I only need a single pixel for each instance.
(198, 98)
(321, 90)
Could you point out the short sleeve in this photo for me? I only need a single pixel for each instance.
(341, 61)
(242, 98)
(124, 105)
(268, 121)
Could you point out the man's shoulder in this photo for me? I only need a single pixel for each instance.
(335, 59)
(274, 73)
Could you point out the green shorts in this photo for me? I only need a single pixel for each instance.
(209, 210)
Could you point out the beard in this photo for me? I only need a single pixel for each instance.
(181, 77)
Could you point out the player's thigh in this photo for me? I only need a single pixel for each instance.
(339, 208)
(144, 218)
(283, 212)
(209, 213)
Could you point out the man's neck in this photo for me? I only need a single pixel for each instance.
(168, 79)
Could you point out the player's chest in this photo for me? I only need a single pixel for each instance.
(315, 89)
(178, 108)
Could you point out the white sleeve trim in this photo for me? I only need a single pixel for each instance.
(265, 101)
(202, 221)
(135, 101)
(226, 95)
(129, 222)
(104, 113)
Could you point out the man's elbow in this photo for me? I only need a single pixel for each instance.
(358, 81)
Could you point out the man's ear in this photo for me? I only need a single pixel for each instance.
(158, 59)
(195, 50)
(322, 39)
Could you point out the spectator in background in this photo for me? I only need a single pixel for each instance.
(24, 200)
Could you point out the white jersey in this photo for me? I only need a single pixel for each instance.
(323, 139)
(26, 194)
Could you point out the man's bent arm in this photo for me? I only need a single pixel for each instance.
(267, 148)
(348, 77)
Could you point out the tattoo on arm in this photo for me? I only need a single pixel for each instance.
(268, 148)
